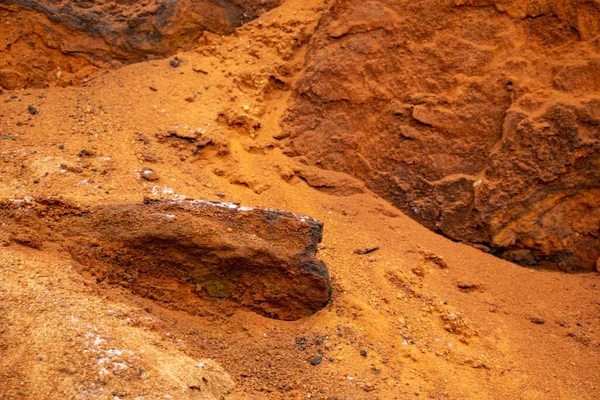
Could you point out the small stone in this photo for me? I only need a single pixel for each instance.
(175, 62)
(418, 271)
(229, 230)
(86, 153)
(316, 360)
(220, 194)
(203, 142)
(75, 168)
(149, 175)
(61, 146)
(153, 89)
(537, 320)
(149, 156)
(190, 99)
(144, 139)
(32, 110)
(363, 353)
(368, 387)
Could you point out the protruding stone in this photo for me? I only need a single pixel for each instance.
(189, 254)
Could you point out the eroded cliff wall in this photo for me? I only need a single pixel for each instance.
(480, 119)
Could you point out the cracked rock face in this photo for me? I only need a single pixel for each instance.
(63, 42)
(194, 256)
(480, 119)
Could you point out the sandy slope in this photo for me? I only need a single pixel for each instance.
(422, 317)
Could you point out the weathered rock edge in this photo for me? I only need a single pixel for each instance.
(184, 253)
(61, 42)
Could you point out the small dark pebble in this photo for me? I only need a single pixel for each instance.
(6, 137)
(366, 250)
(363, 353)
(76, 169)
(285, 386)
(14, 96)
(153, 89)
(86, 153)
(149, 156)
(316, 360)
(32, 110)
(220, 194)
(144, 139)
(61, 146)
(537, 320)
(301, 342)
(175, 62)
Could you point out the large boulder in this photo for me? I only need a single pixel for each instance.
(185, 254)
(480, 119)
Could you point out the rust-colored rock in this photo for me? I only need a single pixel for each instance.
(185, 253)
(62, 42)
(480, 119)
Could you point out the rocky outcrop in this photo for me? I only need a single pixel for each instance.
(480, 119)
(63, 42)
(583, 16)
(185, 254)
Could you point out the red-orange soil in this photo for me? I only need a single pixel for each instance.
(420, 317)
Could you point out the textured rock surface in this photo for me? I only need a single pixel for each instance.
(47, 42)
(186, 253)
(480, 119)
